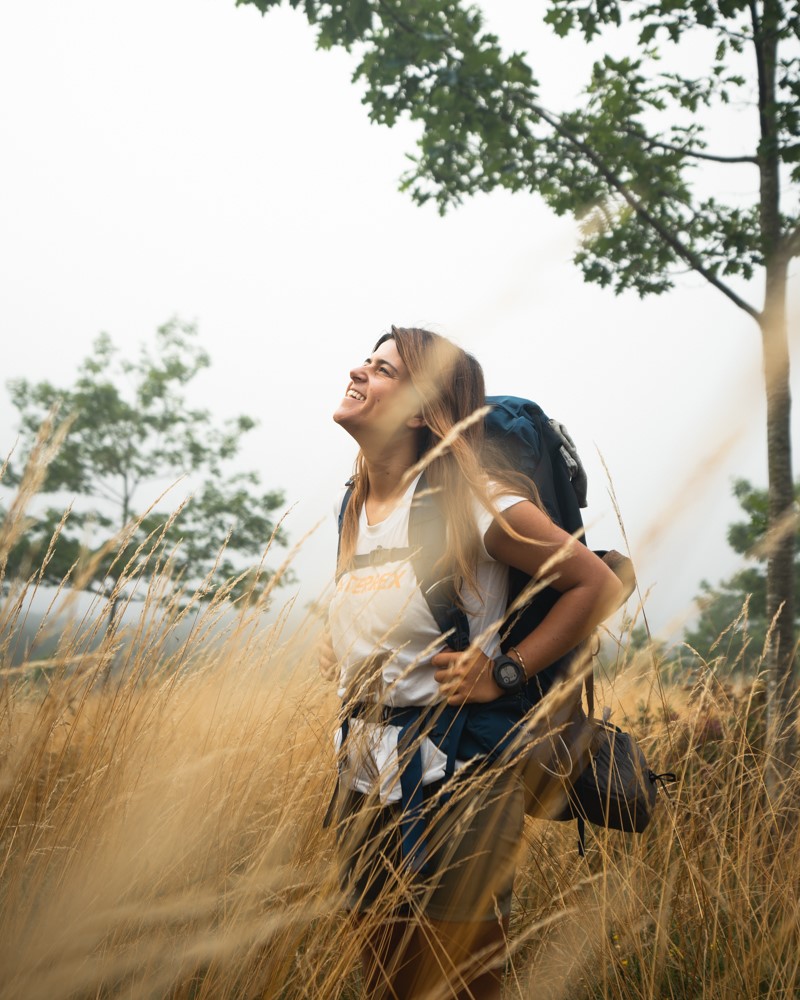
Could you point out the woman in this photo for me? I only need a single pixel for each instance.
(430, 886)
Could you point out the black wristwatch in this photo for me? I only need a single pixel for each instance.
(508, 674)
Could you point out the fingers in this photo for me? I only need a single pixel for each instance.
(444, 674)
(462, 677)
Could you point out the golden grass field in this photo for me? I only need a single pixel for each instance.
(162, 837)
(161, 831)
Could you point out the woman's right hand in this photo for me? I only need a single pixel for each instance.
(326, 657)
(465, 677)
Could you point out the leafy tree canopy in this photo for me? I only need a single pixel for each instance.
(132, 434)
(623, 158)
(733, 620)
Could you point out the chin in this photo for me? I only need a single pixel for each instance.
(341, 416)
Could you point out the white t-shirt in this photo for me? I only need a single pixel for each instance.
(384, 637)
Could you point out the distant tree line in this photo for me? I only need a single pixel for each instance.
(132, 433)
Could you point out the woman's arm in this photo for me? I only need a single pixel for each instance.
(590, 592)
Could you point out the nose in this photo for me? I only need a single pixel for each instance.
(358, 374)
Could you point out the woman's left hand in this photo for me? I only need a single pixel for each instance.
(465, 677)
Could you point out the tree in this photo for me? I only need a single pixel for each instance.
(132, 435)
(733, 619)
(625, 160)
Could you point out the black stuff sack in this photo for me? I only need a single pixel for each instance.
(616, 789)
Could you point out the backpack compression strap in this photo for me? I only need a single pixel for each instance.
(427, 538)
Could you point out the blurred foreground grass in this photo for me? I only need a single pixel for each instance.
(161, 831)
(162, 837)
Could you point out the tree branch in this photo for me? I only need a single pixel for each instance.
(392, 15)
(660, 144)
(105, 492)
(613, 181)
(647, 217)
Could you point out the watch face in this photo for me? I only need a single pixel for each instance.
(509, 673)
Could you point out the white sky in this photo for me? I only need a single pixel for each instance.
(189, 157)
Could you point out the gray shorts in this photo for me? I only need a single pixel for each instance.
(473, 838)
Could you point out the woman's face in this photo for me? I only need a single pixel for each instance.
(380, 397)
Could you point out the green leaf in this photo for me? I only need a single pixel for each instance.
(791, 154)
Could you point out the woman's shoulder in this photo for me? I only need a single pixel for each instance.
(507, 496)
(498, 498)
(503, 495)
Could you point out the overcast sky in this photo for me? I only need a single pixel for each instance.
(189, 157)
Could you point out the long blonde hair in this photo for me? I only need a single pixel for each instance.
(451, 388)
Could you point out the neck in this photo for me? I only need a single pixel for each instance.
(386, 464)
(386, 475)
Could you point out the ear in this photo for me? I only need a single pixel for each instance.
(416, 423)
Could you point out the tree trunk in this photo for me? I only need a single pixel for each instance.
(780, 561)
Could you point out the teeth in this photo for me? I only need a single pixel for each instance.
(355, 394)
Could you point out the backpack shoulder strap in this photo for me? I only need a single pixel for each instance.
(350, 484)
(427, 539)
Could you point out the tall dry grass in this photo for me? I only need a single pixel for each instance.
(161, 834)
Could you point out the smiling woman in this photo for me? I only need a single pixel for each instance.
(428, 843)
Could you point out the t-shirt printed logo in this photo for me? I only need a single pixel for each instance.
(351, 584)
